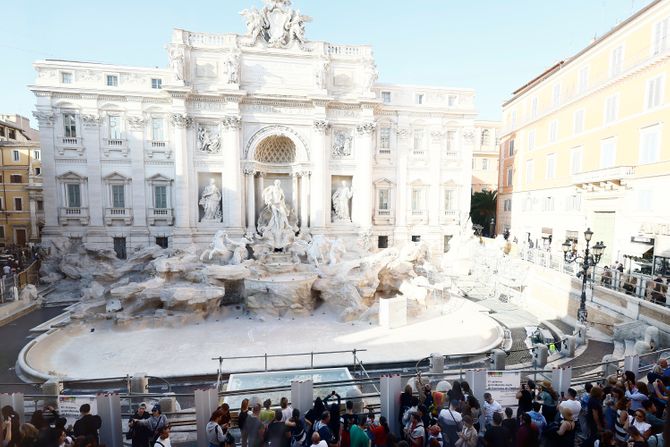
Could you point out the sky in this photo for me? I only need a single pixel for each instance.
(493, 46)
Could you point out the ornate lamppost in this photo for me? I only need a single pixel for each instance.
(590, 258)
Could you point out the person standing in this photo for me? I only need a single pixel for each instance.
(497, 435)
(253, 427)
(491, 407)
(155, 423)
(242, 419)
(358, 437)
(163, 439)
(140, 435)
(87, 425)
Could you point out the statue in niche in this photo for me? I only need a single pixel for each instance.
(177, 63)
(273, 223)
(371, 76)
(296, 28)
(342, 144)
(210, 200)
(321, 74)
(233, 68)
(208, 143)
(341, 199)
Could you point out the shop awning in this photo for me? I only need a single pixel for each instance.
(636, 249)
(662, 246)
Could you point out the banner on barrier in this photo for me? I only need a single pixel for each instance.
(68, 407)
(503, 386)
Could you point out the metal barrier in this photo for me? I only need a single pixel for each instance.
(12, 284)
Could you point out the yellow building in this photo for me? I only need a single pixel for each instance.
(21, 210)
(591, 148)
(485, 156)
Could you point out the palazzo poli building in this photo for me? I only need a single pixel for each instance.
(133, 156)
(587, 144)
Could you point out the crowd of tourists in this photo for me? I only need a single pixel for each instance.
(621, 411)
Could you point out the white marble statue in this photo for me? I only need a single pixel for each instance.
(233, 68)
(238, 248)
(273, 224)
(336, 251)
(318, 249)
(217, 247)
(371, 75)
(255, 23)
(210, 200)
(296, 28)
(177, 63)
(341, 199)
(208, 143)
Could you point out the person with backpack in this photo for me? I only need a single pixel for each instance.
(163, 439)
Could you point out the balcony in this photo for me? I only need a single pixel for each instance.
(123, 216)
(448, 216)
(383, 217)
(69, 143)
(153, 147)
(115, 144)
(73, 215)
(160, 216)
(609, 178)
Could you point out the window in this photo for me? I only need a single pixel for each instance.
(120, 247)
(16, 155)
(611, 108)
(573, 203)
(447, 238)
(418, 141)
(114, 127)
(15, 178)
(416, 238)
(2, 131)
(118, 196)
(650, 144)
(382, 241)
(70, 124)
(616, 61)
(533, 107)
(452, 100)
(511, 147)
(583, 82)
(12, 134)
(419, 98)
(417, 200)
(386, 97)
(385, 138)
(660, 42)
(509, 177)
(607, 153)
(578, 121)
(40, 205)
(18, 203)
(73, 195)
(2, 205)
(485, 164)
(162, 241)
(529, 171)
(531, 140)
(383, 200)
(654, 92)
(37, 154)
(551, 166)
(160, 196)
(507, 205)
(486, 137)
(576, 160)
(112, 80)
(156, 83)
(548, 204)
(449, 200)
(38, 171)
(644, 201)
(66, 77)
(451, 141)
(553, 131)
(157, 129)
(556, 95)
(2, 231)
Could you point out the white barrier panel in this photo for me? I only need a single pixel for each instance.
(560, 379)
(15, 400)
(389, 395)
(109, 410)
(68, 406)
(206, 402)
(632, 363)
(302, 395)
(476, 378)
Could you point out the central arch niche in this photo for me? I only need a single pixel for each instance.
(276, 149)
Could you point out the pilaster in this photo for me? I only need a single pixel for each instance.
(362, 182)
(319, 199)
(232, 182)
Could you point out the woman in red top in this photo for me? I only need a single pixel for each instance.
(380, 433)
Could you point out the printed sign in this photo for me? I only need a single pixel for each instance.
(68, 407)
(503, 386)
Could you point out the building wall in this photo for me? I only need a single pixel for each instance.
(485, 156)
(595, 107)
(411, 143)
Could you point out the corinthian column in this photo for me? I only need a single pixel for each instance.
(181, 123)
(250, 199)
(319, 199)
(362, 183)
(232, 183)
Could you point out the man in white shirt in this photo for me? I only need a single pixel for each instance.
(317, 441)
(490, 407)
(571, 403)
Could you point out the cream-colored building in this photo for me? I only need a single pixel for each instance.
(591, 146)
(21, 210)
(485, 156)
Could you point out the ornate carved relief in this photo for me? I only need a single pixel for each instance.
(321, 126)
(209, 140)
(277, 25)
(342, 143)
(136, 122)
(181, 120)
(45, 119)
(231, 122)
(403, 132)
(90, 120)
(366, 128)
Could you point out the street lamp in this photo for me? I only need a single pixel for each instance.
(589, 258)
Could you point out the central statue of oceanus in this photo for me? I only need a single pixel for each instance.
(273, 224)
